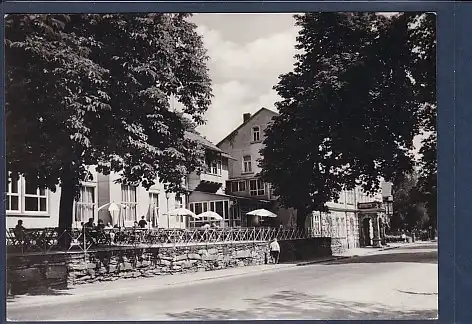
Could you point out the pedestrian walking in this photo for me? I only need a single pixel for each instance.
(274, 250)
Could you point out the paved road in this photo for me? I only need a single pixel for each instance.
(395, 284)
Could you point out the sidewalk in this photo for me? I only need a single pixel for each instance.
(136, 285)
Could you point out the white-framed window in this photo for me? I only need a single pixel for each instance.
(23, 197)
(256, 187)
(317, 223)
(129, 202)
(238, 186)
(154, 207)
(13, 191)
(218, 206)
(247, 164)
(35, 199)
(215, 167)
(256, 133)
(350, 197)
(85, 207)
(179, 204)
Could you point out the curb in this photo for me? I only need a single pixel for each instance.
(334, 258)
(324, 260)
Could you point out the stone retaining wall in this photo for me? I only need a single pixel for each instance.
(27, 273)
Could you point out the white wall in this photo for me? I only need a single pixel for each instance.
(44, 219)
(242, 145)
(143, 201)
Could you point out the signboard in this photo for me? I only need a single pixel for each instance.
(369, 205)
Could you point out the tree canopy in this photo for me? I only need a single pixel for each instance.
(363, 86)
(95, 90)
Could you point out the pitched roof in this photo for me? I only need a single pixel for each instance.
(244, 123)
(206, 143)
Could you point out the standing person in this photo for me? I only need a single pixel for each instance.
(274, 250)
(142, 223)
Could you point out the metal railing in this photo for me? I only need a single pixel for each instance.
(50, 240)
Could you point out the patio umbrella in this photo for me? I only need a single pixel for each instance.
(210, 214)
(114, 211)
(182, 212)
(262, 213)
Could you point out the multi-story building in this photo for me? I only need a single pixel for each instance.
(39, 208)
(244, 184)
(341, 222)
(207, 189)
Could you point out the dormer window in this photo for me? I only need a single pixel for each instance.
(256, 133)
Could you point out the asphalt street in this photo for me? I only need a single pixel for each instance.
(393, 284)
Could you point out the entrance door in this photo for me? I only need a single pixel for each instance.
(366, 232)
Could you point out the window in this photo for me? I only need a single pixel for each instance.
(35, 198)
(247, 166)
(256, 134)
(221, 207)
(215, 167)
(154, 207)
(256, 187)
(218, 167)
(350, 195)
(85, 207)
(129, 203)
(238, 186)
(179, 204)
(13, 194)
(317, 223)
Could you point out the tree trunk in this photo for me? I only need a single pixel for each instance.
(66, 209)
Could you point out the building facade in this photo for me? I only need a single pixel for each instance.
(342, 221)
(208, 189)
(244, 184)
(39, 208)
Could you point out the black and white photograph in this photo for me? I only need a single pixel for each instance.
(221, 166)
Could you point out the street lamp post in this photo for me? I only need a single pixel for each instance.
(167, 206)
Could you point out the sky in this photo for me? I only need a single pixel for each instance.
(247, 54)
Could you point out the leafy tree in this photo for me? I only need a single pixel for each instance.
(94, 90)
(349, 110)
(409, 210)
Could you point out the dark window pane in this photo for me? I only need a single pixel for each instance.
(205, 206)
(14, 186)
(42, 204)
(219, 208)
(212, 206)
(226, 210)
(242, 186)
(7, 204)
(14, 203)
(42, 192)
(252, 184)
(31, 204)
(191, 208)
(30, 189)
(198, 208)
(234, 187)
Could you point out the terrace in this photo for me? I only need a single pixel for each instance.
(50, 240)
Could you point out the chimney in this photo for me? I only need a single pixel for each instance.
(246, 117)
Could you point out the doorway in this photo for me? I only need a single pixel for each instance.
(366, 232)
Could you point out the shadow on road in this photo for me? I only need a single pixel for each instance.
(415, 257)
(294, 305)
(37, 291)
